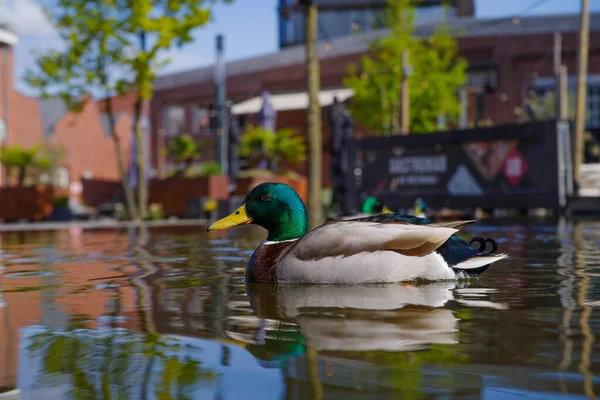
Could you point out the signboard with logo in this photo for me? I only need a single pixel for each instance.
(512, 166)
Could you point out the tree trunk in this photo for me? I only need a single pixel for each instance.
(21, 177)
(141, 160)
(141, 154)
(313, 119)
(129, 195)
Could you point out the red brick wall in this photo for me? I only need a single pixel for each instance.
(6, 76)
(25, 125)
(87, 147)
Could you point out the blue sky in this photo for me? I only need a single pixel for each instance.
(250, 28)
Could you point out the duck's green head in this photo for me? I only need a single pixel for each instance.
(274, 206)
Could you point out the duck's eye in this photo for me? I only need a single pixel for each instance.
(265, 197)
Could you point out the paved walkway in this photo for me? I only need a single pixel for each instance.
(97, 224)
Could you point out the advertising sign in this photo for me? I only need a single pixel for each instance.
(506, 166)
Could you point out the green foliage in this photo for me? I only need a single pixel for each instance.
(112, 47)
(437, 73)
(284, 144)
(61, 201)
(20, 159)
(254, 141)
(185, 149)
(155, 212)
(542, 107)
(103, 366)
(211, 168)
(40, 158)
(288, 146)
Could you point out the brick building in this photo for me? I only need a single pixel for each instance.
(85, 136)
(337, 18)
(506, 56)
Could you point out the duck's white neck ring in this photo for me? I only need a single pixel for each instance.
(282, 241)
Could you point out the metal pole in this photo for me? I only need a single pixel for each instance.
(563, 94)
(557, 65)
(405, 101)
(584, 34)
(220, 81)
(464, 108)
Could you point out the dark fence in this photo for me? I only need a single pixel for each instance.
(510, 166)
(97, 191)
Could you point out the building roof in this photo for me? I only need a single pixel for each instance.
(51, 111)
(466, 27)
(7, 36)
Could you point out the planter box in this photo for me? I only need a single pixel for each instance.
(300, 185)
(61, 214)
(28, 203)
(173, 193)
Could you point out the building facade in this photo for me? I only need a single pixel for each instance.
(338, 18)
(84, 136)
(507, 59)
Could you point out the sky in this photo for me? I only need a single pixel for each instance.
(249, 26)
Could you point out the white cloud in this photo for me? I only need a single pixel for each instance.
(26, 17)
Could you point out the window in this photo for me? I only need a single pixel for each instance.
(593, 106)
(480, 106)
(592, 116)
(201, 118)
(62, 177)
(174, 120)
(432, 14)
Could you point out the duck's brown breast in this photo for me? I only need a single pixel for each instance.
(262, 266)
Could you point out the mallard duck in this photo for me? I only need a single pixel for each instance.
(420, 208)
(376, 249)
(369, 207)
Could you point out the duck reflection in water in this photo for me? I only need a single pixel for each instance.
(387, 317)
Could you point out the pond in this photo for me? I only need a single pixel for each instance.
(95, 315)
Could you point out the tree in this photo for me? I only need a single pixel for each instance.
(49, 157)
(542, 107)
(184, 149)
(113, 47)
(20, 159)
(40, 159)
(437, 74)
(258, 142)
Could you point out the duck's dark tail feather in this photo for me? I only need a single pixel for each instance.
(483, 245)
(478, 264)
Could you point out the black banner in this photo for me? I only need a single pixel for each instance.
(512, 166)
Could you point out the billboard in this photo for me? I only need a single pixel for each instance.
(511, 166)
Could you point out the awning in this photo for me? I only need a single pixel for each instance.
(291, 101)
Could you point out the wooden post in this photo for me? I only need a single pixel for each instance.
(405, 101)
(315, 144)
(584, 38)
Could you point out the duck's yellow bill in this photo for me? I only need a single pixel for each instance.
(386, 210)
(238, 217)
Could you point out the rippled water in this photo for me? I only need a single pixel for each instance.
(90, 315)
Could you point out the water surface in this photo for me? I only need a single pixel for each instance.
(94, 315)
